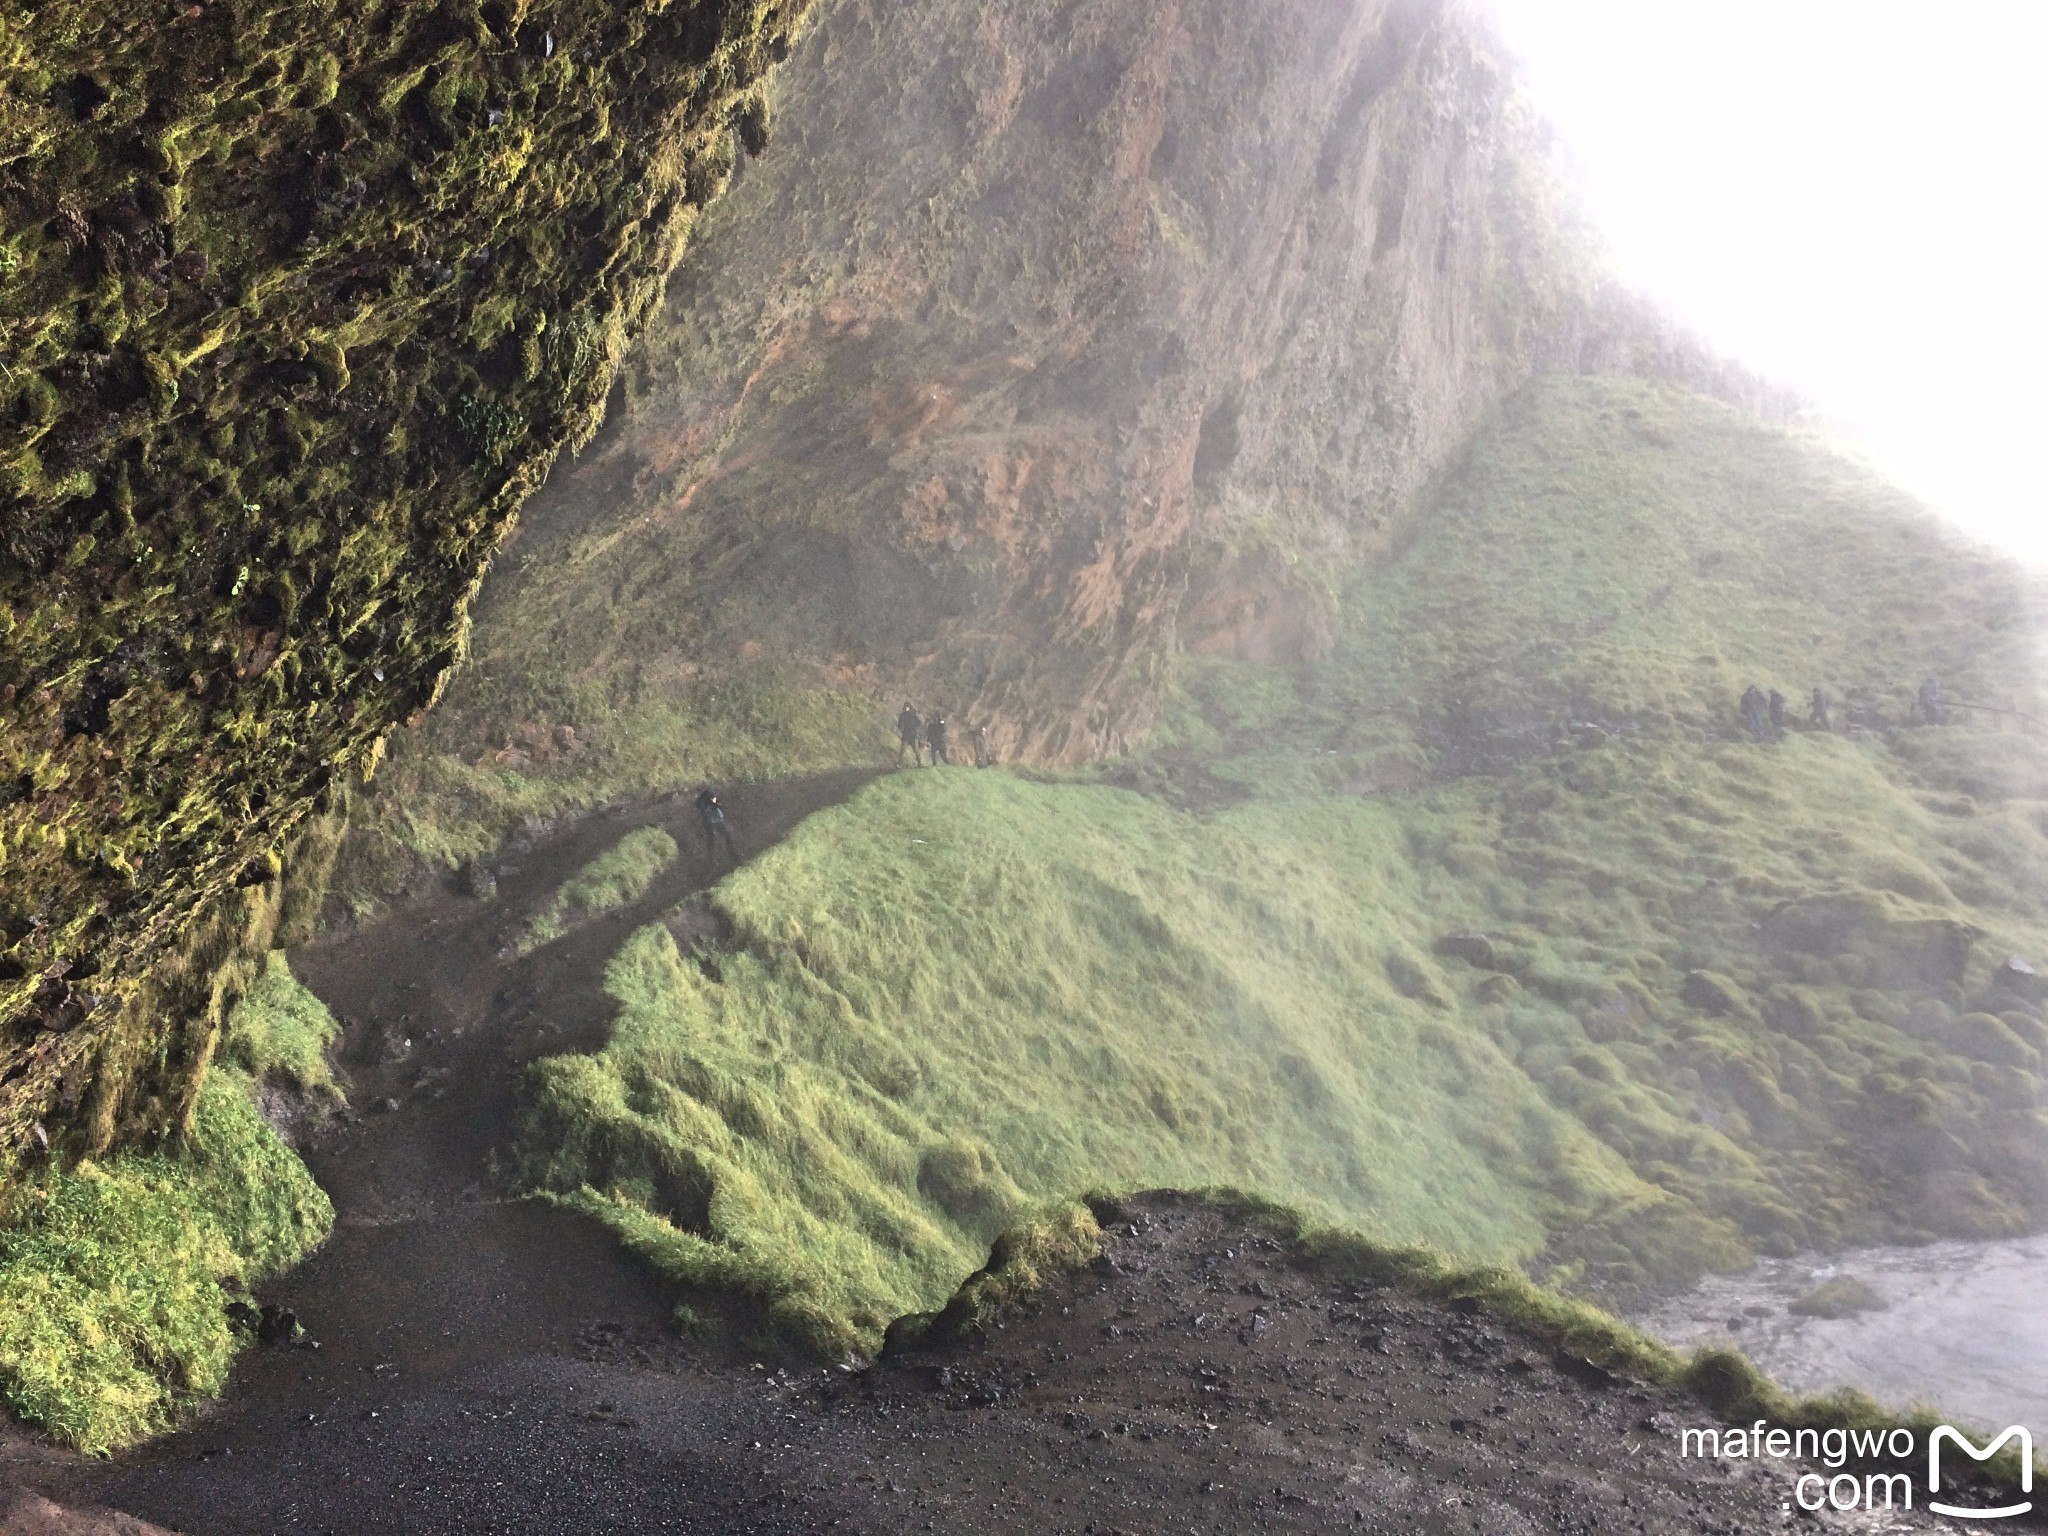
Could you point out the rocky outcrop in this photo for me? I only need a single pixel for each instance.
(1054, 341)
(27, 1514)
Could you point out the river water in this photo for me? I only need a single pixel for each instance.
(1964, 1328)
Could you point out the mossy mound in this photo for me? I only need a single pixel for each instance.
(621, 874)
(281, 1031)
(115, 1276)
(298, 300)
(1843, 1296)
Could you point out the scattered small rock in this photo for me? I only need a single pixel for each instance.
(1580, 1369)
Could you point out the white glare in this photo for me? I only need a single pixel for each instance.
(1846, 196)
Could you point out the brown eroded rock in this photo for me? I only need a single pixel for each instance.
(1048, 345)
(28, 1514)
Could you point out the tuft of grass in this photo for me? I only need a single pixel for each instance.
(1843, 1296)
(280, 1029)
(615, 878)
(114, 1276)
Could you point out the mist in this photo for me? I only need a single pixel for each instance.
(1837, 195)
(1227, 757)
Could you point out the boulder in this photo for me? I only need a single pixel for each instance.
(2018, 980)
(1898, 943)
(27, 1514)
(1470, 946)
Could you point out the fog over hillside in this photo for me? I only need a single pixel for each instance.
(768, 696)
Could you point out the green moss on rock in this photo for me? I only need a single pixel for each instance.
(114, 1276)
(290, 329)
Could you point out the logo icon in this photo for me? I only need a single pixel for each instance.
(1962, 1442)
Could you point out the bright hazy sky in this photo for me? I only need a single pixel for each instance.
(1847, 195)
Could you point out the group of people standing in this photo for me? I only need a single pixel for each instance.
(917, 734)
(1767, 716)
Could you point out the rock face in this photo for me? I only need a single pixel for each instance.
(25, 1514)
(1054, 341)
(296, 305)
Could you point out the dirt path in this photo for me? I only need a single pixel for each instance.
(447, 1315)
(489, 1365)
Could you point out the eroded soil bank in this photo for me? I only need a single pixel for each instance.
(490, 1365)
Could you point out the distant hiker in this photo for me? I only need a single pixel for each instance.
(1778, 702)
(1930, 701)
(984, 754)
(910, 735)
(1753, 710)
(711, 811)
(935, 738)
(1819, 714)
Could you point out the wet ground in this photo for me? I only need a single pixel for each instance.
(1198, 1380)
(492, 1365)
(1962, 1328)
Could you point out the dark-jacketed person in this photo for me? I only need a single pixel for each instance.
(910, 736)
(1778, 701)
(935, 738)
(711, 812)
(984, 754)
(1931, 708)
(1820, 713)
(1753, 711)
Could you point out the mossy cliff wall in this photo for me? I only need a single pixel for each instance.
(299, 299)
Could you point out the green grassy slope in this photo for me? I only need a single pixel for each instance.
(114, 1276)
(1491, 929)
(435, 804)
(1632, 555)
(619, 875)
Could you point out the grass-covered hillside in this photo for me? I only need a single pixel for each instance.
(1493, 929)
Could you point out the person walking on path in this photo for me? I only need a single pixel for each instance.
(910, 736)
(935, 738)
(1778, 701)
(711, 812)
(1931, 709)
(984, 754)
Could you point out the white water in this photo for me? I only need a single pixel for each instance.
(1966, 1330)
